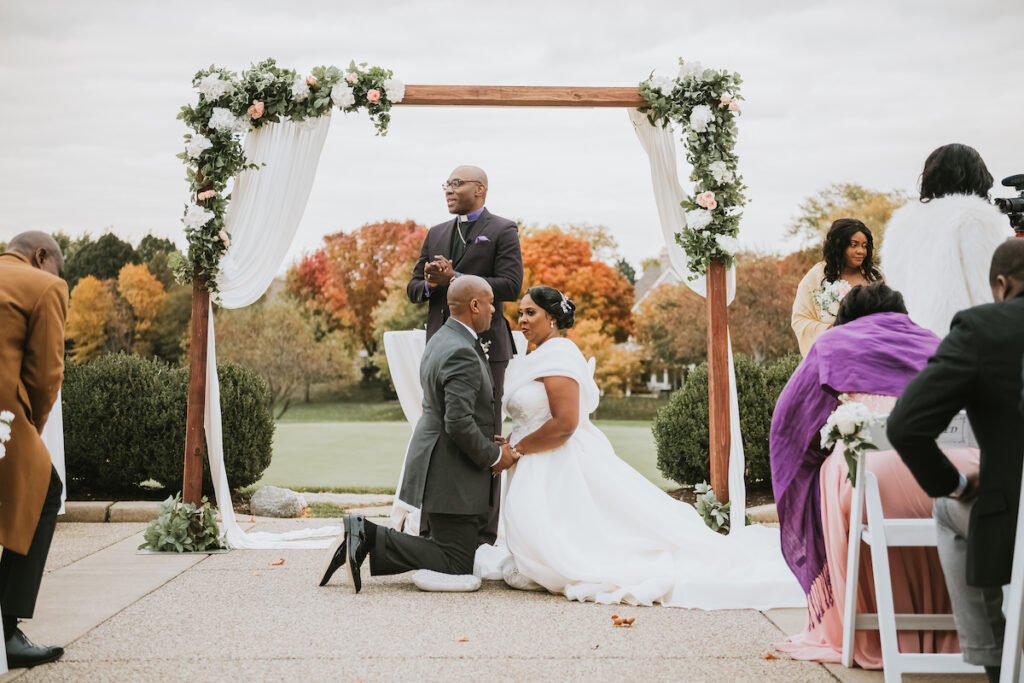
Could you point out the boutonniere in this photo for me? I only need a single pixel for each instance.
(6, 418)
(481, 238)
(486, 346)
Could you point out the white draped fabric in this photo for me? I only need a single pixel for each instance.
(265, 211)
(53, 439)
(660, 146)
(404, 351)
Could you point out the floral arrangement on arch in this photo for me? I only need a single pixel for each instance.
(704, 103)
(230, 105)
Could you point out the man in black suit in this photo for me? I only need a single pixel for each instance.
(452, 456)
(977, 367)
(475, 242)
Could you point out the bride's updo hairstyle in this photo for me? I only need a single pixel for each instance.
(954, 169)
(557, 305)
(863, 300)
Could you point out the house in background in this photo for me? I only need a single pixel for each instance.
(656, 376)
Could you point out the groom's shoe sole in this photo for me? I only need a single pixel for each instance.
(354, 532)
(337, 556)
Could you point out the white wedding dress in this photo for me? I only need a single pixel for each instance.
(581, 522)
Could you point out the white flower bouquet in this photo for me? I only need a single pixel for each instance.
(850, 423)
(6, 418)
(827, 299)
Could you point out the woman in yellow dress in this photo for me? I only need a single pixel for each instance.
(848, 261)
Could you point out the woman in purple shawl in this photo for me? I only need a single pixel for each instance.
(872, 354)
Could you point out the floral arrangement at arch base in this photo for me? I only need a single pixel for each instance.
(704, 103)
(228, 106)
(183, 528)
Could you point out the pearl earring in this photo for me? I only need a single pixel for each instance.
(552, 324)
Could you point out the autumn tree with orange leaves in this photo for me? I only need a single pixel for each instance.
(349, 276)
(91, 304)
(565, 261)
(145, 295)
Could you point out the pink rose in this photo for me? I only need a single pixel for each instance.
(206, 195)
(373, 95)
(256, 109)
(734, 106)
(224, 238)
(310, 80)
(726, 100)
(707, 200)
(352, 77)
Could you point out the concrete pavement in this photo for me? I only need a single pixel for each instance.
(245, 615)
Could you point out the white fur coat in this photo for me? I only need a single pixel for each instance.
(938, 253)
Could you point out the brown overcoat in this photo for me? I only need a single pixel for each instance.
(33, 308)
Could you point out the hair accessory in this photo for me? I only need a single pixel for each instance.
(565, 304)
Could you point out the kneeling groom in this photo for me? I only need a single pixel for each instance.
(451, 458)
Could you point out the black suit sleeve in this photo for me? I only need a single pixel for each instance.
(417, 287)
(508, 266)
(929, 403)
(463, 381)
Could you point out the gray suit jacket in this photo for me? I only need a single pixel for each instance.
(448, 466)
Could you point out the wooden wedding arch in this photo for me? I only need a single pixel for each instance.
(493, 96)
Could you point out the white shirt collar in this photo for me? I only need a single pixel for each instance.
(471, 330)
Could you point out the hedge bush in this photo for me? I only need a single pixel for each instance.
(681, 427)
(124, 423)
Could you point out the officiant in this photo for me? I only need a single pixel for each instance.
(474, 242)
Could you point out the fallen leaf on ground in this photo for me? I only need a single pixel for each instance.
(770, 656)
(278, 563)
(595, 647)
(460, 640)
(623, 621)
(255, 573)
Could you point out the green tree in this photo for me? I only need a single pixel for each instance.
(627, 270)
(844, 200)
(103, 259)
(151, 245)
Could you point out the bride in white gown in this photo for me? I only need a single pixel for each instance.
(581, 522)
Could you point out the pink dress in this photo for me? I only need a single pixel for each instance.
(918, 582)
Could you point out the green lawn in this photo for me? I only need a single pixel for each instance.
(369, 454)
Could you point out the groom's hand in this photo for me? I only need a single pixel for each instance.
(508, 458)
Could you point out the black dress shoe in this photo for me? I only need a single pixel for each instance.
(358, 548)
(23, 653)
(335, 558)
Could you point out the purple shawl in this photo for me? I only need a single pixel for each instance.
(876, 354)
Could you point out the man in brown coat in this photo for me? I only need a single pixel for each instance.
(33, 308)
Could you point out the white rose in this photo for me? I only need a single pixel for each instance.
(197, 145)
(846, 426)
(690, 70)
(729, 245)
(197, 216)
(3, 451)
(6, 416)
(700, 117)
(663, 83)
(833, 308)
(720, 172)
(5, 431)
(342, 96)
(213, 87)
(223, 120)
(698, 219)
(300, 89)
(394, 90)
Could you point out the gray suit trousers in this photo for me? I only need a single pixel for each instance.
(978, 612)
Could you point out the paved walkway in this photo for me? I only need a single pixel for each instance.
(245, 615)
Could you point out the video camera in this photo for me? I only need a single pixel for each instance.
(1014, 206)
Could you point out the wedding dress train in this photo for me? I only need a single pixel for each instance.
(581, 522)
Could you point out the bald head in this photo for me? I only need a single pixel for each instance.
(466, 190)
(41, 249)
(471, 301)
(470, 173)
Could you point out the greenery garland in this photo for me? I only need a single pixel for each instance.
(230, 105)
(704, 103)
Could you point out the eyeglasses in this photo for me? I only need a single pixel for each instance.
(455, 184)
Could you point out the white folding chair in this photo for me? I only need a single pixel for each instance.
(1011, 669)
(881, 534)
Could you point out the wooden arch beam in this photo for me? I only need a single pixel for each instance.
(521, 96)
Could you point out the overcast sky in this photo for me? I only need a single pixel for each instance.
(857, 92)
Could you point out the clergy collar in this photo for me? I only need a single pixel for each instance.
(471, 216)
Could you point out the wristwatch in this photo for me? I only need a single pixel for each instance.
(961, 487)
